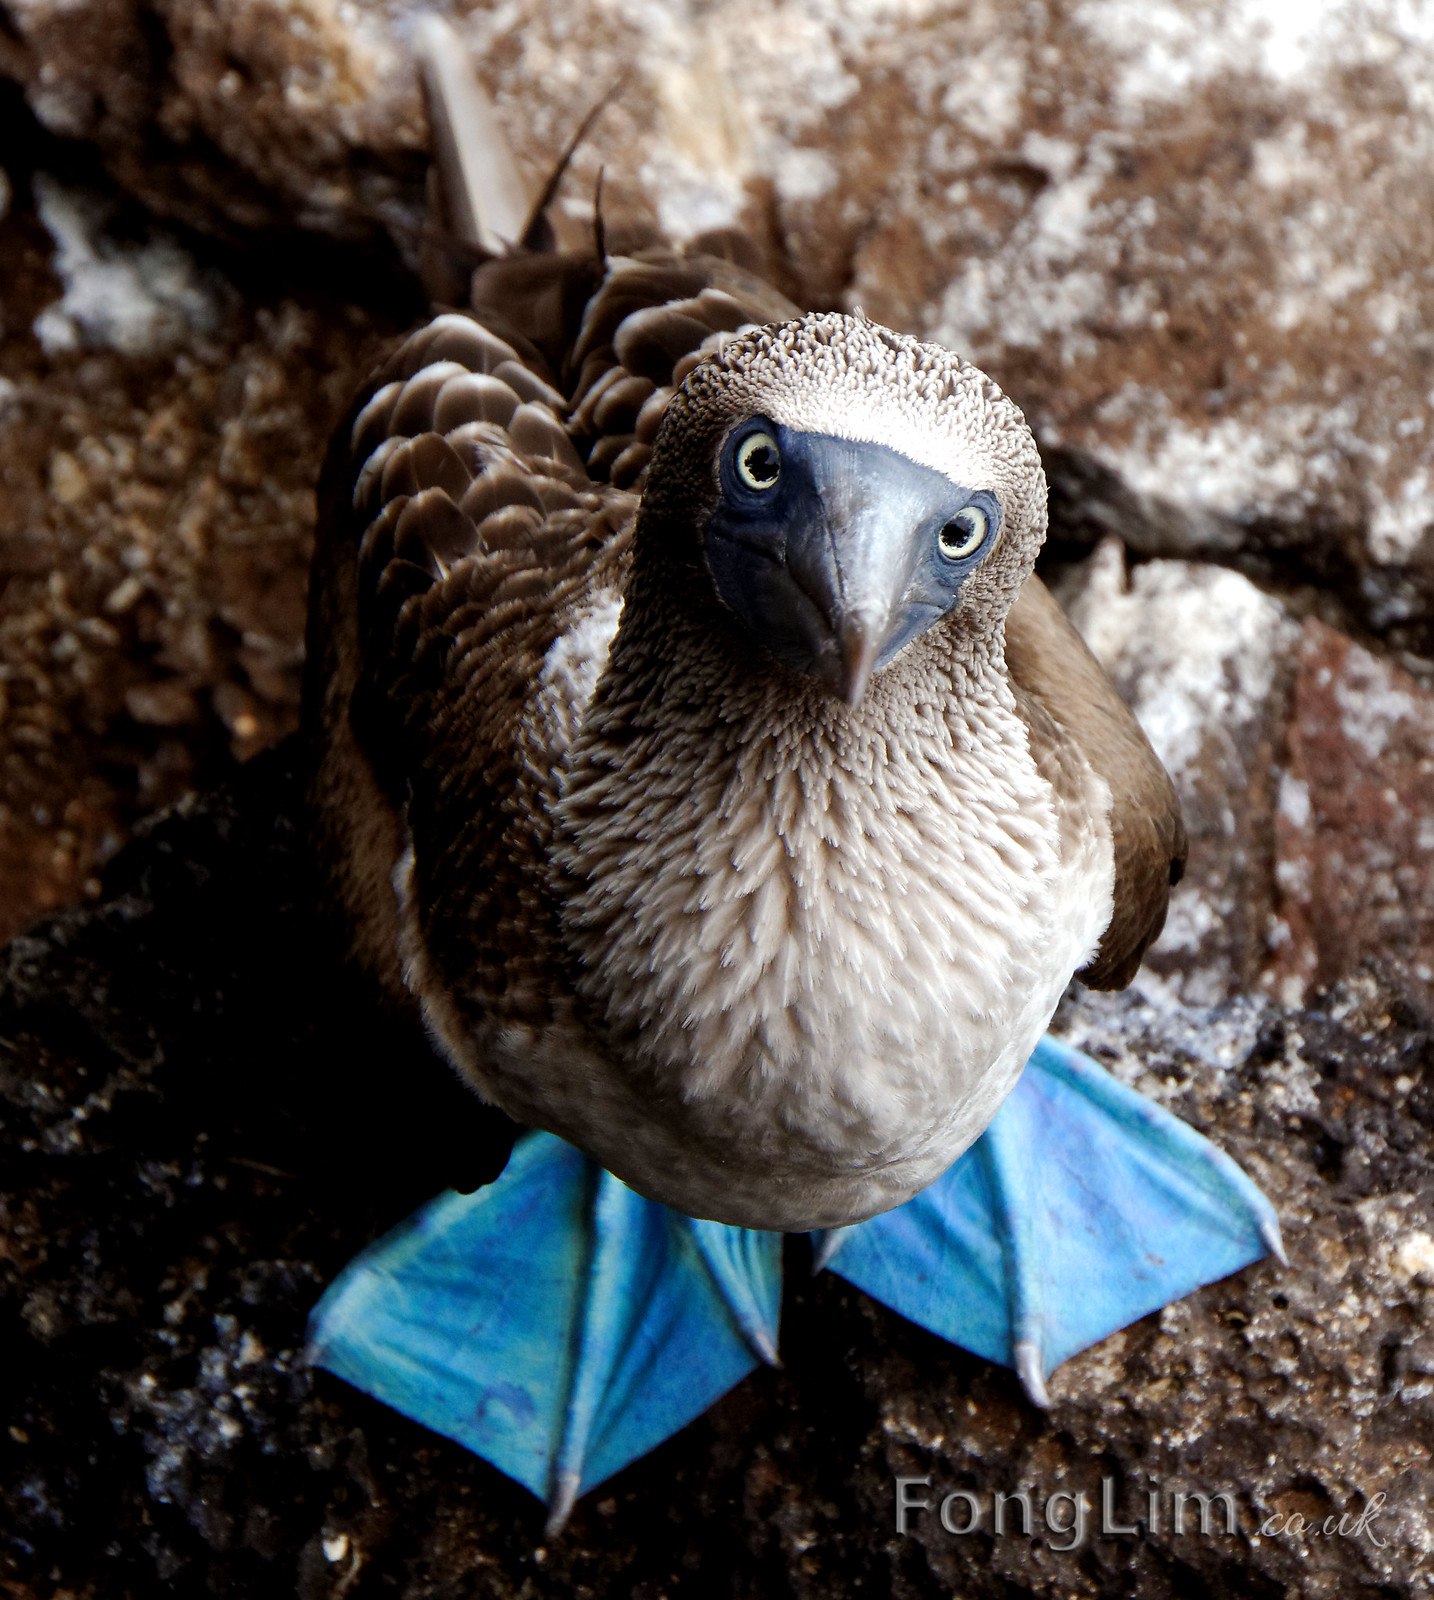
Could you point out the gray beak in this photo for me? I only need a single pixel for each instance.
(858, 647)
(838, 571)
(853, 565)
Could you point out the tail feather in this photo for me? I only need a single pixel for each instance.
(486, 206)
(538, 232)
(487, 203)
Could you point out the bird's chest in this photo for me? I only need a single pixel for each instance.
(830, 951)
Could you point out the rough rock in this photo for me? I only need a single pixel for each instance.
(232, 114)
(1189, 235)
(200, 1125)
(158, 462)
(1305, 765)
(1355, 820)
(1203, 658)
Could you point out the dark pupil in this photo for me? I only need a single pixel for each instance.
(959, 531)
(761, 463)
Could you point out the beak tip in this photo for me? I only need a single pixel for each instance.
(853, 689)
(858, 646)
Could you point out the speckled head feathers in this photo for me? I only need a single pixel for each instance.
(850, 377)
(847, 378)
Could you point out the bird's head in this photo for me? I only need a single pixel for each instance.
(850, 488)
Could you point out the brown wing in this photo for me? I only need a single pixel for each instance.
(646, 321)
(1073, 712)
(476, 510)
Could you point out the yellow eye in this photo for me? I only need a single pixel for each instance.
(964, 535)
(759, 462)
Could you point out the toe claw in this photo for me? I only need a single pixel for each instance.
(1274, 1243)
(825, 1246)
(560, 1504)
(1026, 1358)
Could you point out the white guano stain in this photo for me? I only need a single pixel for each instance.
(137, 299)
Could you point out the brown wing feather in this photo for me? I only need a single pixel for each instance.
(1073, 712)
(652, 318)
(480, 499)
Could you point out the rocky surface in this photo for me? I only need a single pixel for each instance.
(276, 115)
(1189, 234)
(1305, 764)
(157, 459)
(1355, 819)
(1201, 655)
(1192, 238)
(201, 1124)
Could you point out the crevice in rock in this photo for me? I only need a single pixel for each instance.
(1308, 567)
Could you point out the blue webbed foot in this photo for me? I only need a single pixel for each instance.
(560, 1326)
(555, 1323)
(1082, 1208)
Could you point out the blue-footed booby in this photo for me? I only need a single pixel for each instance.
(696, 750)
